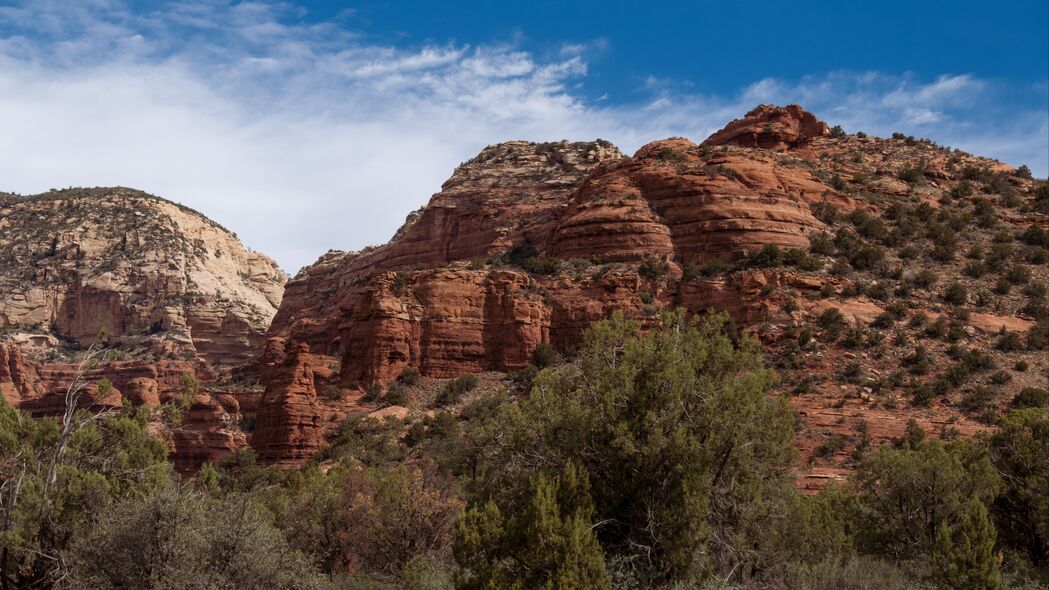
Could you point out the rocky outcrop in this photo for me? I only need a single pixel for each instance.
(168, 292)
(445, 322)
(508, 194)
(677, 200)
(210, 431)
(673, 200)
(533, 243)
(134, 269)
(143, 381)
(450, 321)
(771, 127)
(18, 376)
(288, 423)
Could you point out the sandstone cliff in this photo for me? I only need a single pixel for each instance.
(889, 279)
(509, 194)
(774, 220)
(135, 268)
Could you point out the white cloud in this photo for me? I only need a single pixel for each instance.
(304, 136)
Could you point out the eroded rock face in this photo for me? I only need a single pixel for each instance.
(160, 285)
(450, 321)
(445, 296)
(18, 376)
(136, 269)
(771, 127)
(673, 200)
(509, 194)
(677, 200)
(210, 431)
(288, 425)
(40, 387)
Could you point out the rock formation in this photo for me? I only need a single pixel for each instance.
(288, 427)
(128, 267)
(677, 200)
(210, 431)
(520, 249)
(772, 220)
(511, 193)
(673, 200)
(771, 127)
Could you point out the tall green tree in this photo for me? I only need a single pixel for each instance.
(550, 545)
(1019, 450)
(685, 451)
(904, 497)
(963, 555)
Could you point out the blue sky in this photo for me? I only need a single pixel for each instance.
(305, 126)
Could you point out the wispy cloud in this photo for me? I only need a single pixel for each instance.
(304, 136)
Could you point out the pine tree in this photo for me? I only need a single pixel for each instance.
(683, 447)
(550, 545)
(963, 556)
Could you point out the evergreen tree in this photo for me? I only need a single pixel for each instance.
(676, 432)
(55, 474)
(904, 497)
(1020, 452)
(550, 545)
(963, 556)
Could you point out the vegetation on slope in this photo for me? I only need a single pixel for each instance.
(655, 459)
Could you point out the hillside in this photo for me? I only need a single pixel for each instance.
(170, 297)
(890, 279)
(140, 270)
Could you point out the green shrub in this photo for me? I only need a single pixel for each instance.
(768, 255)
(332, 392)
(1038, 336)
(541, 265)
(830, 447)
(545, 355)
(179, 533)
(852, 573)
(832, 323)
(396, 394)
(549, 543)
(821, 244)
(521, 252)
(653, 267)
(1031, 397)
(1010, 341)
(924, 278)
(1018, 275)
(955, 294)
(937, 329)
(189, 384)
(410, 376)
(454, 390)
(911, 174)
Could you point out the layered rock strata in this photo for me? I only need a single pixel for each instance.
(118, 265)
